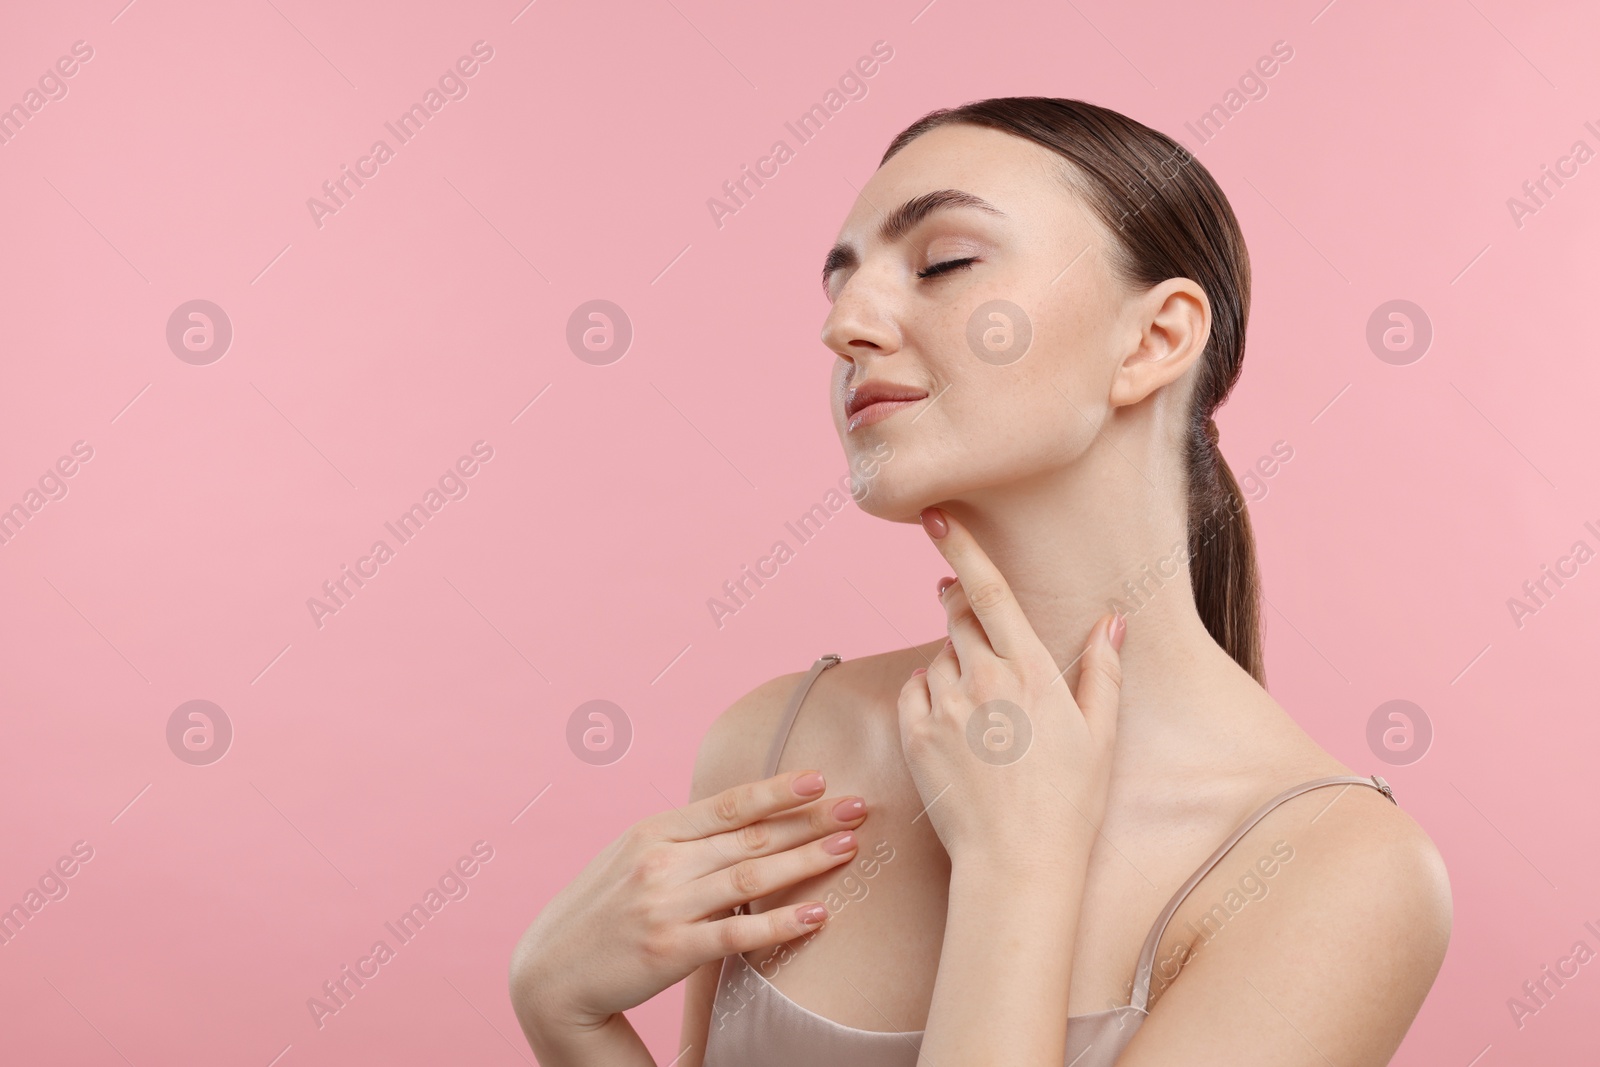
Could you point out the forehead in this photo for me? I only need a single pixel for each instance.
(1021, 178)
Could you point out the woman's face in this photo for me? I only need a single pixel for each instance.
(1012, 348)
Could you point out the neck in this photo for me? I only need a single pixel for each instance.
(1078, 543)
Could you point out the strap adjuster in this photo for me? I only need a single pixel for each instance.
(1383, 787)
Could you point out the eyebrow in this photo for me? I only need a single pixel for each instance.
(900, 221)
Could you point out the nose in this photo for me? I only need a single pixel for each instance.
(862, 321)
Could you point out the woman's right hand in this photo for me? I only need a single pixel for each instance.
(655, 904)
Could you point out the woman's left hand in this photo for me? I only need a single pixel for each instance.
(1012, 767)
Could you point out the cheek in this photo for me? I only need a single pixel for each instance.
(1002, 424)
(1032, 425)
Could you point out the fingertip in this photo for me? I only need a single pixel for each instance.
(1116, 630)
(809, 784)
(809, 915)
(933, 520)
(850, 809)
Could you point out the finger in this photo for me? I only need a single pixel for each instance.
(707, 941)
(752, 879)
(914, 702)
(1100, 677)
(988, 593)
(776, 833)
(737, 806)
(966, 632)
(944, 672)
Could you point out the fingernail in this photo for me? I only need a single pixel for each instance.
(1119, 628)
(846, 810)
(839, 844)
(808, 785)
(945, 583)
(811, 914)
(933, 522)
(919, 670)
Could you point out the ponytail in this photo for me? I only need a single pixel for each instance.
(1222, 554)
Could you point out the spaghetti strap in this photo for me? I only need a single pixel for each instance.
(785, 723)
(1147, 957)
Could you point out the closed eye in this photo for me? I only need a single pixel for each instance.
(949, 265)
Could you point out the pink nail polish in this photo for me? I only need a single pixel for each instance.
(811, 914)
(945, 583)
(839, 844)
(1119, 629)
(847, 810)
(933, 522)
(808, 785)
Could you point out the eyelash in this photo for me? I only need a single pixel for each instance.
(949, 265)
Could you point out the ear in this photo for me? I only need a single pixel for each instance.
(1173, 320)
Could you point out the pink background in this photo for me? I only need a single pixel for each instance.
(371, 352)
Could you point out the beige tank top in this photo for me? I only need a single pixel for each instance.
(755, 1025)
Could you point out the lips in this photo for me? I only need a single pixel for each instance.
(869, 393)
(872, 402)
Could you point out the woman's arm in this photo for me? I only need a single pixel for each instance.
(557, 1043)
(699, 996)
(1013, 770)
(1006, 966)
(1330, 968)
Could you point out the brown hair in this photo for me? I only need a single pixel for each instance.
(1168, 219)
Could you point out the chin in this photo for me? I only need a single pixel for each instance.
(898, 481)
(896, 502)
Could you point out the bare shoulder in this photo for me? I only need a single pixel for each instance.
(1364, 852)
(1334, 954)
(1367, 858)
(1373, 864)
(1363, 862)
(734, 746)
(877, 677)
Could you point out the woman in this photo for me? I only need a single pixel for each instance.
(1064, 834)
